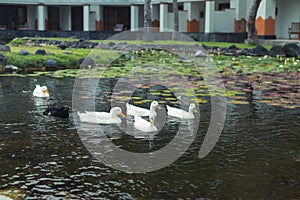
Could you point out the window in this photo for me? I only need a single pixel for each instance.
(223, 6)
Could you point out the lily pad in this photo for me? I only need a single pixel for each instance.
(238, 102)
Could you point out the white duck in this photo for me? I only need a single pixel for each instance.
(40, 91)
(176, 112)
(102, 117)
(144, 125)
(135, 110)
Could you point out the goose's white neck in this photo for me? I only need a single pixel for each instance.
(152, 110)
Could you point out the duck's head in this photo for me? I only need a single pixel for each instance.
(51, 103)
(117, 111)
(155, 105)
(45, 90)
(193, 107)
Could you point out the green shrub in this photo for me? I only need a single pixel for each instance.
(17, 41)
(25, 61)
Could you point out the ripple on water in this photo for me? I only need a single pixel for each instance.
(259, 143)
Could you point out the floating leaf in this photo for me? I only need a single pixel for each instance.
(136, 98)
(238, 102)
(199, 101)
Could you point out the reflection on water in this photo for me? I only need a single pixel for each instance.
(40, 102)
(43, 157)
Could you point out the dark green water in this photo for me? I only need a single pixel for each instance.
(256, 157)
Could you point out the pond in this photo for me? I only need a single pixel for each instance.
(257, 155)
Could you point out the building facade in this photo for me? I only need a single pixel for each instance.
(207, 16)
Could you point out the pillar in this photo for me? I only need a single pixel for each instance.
(193, 9)
(86, 17)
(155, 15)
(209, 16)
(265, 20)
(163, 16)
(42, 22)
(94, 17)
(99, 18)
(134, 17)
(240, 21)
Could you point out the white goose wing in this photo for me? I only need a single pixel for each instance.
(37, 92)
(144, 125)
(40, 91)
(135, 110)
(179, 113)
(99, 117)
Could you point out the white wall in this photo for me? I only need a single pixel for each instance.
(288, 11)
(241, 9)
(183, 16)
(224, 21)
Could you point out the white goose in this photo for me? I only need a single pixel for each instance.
(40, 91)
(144, 125)
(135, 110)
(102, 117)
(176, 112)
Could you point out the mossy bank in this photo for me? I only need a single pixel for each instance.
(26, 55)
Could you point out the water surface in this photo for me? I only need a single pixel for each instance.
(256, 157)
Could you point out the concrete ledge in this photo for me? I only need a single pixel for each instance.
(11, 34)
(267, 37)
(202, 37)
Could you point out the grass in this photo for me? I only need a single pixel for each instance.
(63, 58)
(227, 44)
(69, 58)
(20, 40)
(209, 44)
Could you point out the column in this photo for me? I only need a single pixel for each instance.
(155, 15)
(42, 23)
(65, 18)
(134, 17)
(240, 22)
(265, 20)
(209, 16)
(86, 17)
(94, 17)
(163, 16)
(99, 18)
(193, 9)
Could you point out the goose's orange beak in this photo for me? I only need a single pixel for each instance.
(47, 92)
(122, 115)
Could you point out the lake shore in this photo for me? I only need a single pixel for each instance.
(26, 55)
